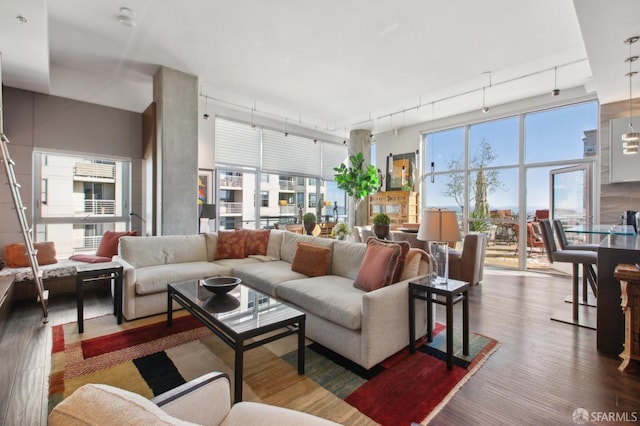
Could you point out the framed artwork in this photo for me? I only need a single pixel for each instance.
(205, 186)
(400, 169)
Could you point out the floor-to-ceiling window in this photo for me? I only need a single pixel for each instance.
(496, 174)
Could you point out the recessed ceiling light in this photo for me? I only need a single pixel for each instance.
(22, 19)
(127, 12)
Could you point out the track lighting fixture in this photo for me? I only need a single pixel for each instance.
(390, 161)
(485, 108)
(205, 115)
(631, 139)
(286, 133)
(555, 91)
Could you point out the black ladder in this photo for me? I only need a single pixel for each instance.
(27, 232)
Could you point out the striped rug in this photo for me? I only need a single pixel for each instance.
(146, 357)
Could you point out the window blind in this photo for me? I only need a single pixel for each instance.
(290, 154)
(237, 144)
(332, 156)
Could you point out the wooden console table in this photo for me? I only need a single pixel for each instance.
(629, 277)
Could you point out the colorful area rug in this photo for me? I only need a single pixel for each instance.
(146, 357)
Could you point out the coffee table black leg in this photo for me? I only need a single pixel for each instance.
(412, 323)
(449, 332)
(465, 323)
(301, 334)
(429, 318)
(80, 303)
(237, 380)
(169, 310)
(117, 300)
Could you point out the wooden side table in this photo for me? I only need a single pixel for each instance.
(453, 292)
(94, 272)
(629, 277)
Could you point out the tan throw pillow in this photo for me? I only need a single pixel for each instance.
(378, 265)
(311, 260)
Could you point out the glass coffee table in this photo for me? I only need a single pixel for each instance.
(239, 318)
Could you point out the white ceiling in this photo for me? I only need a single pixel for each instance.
(330, 64)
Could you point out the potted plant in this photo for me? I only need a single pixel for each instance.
(309, 221)
(381, 224)
(358, 180)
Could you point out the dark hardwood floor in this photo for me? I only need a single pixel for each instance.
(542, 371)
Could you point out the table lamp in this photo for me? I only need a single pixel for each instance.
(207, 212)
(441, 227)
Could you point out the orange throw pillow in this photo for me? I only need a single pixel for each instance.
(311, 260)
(378, 265)
(231, 244)
(16, 254)
(405, 246)
(257, 242)
(109, 244)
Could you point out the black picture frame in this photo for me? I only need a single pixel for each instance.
(394, 177)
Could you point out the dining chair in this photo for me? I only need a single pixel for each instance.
(585, 258)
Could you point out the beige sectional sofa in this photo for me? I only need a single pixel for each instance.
(365, 327)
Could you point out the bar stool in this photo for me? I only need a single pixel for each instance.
(585, 258)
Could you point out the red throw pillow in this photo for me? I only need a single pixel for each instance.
(311, 260)
(231, 244)
(109, 243)
(378, 264)
(405, 246)
(257, 242)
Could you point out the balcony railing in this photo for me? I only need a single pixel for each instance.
(103, 207)
(86, 243)
(229, 208)
(289, 209)
(287, 185)
(231, 182)
(95, 170)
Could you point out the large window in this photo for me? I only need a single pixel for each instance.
(91, 197)
(489, 171)
(290, 175)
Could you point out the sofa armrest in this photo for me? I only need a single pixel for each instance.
(209, 393)
(129, 272)
(385, 322)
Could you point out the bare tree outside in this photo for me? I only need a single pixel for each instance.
(486, 182)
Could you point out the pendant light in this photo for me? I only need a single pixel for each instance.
(631, 139)
(555, 91)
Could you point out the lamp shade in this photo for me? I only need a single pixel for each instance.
(208, 211)
(439, 225)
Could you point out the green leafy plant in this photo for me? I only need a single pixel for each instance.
(381, 219)
(309, 217)
(357, 180)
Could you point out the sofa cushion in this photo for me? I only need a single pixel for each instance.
(346, 258)
(234, 263)
(154, 279)
(377, 266)
(311, 259)
(275, 243)
(256, 242)
(16, 254)
(330, 297)
(109, 243)
(404, 249)
(149, 251)
(267, 276)
(115, 406)
(89, 258)
(290, 242)
(231, 244)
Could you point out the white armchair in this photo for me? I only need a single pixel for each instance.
(205, 401)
